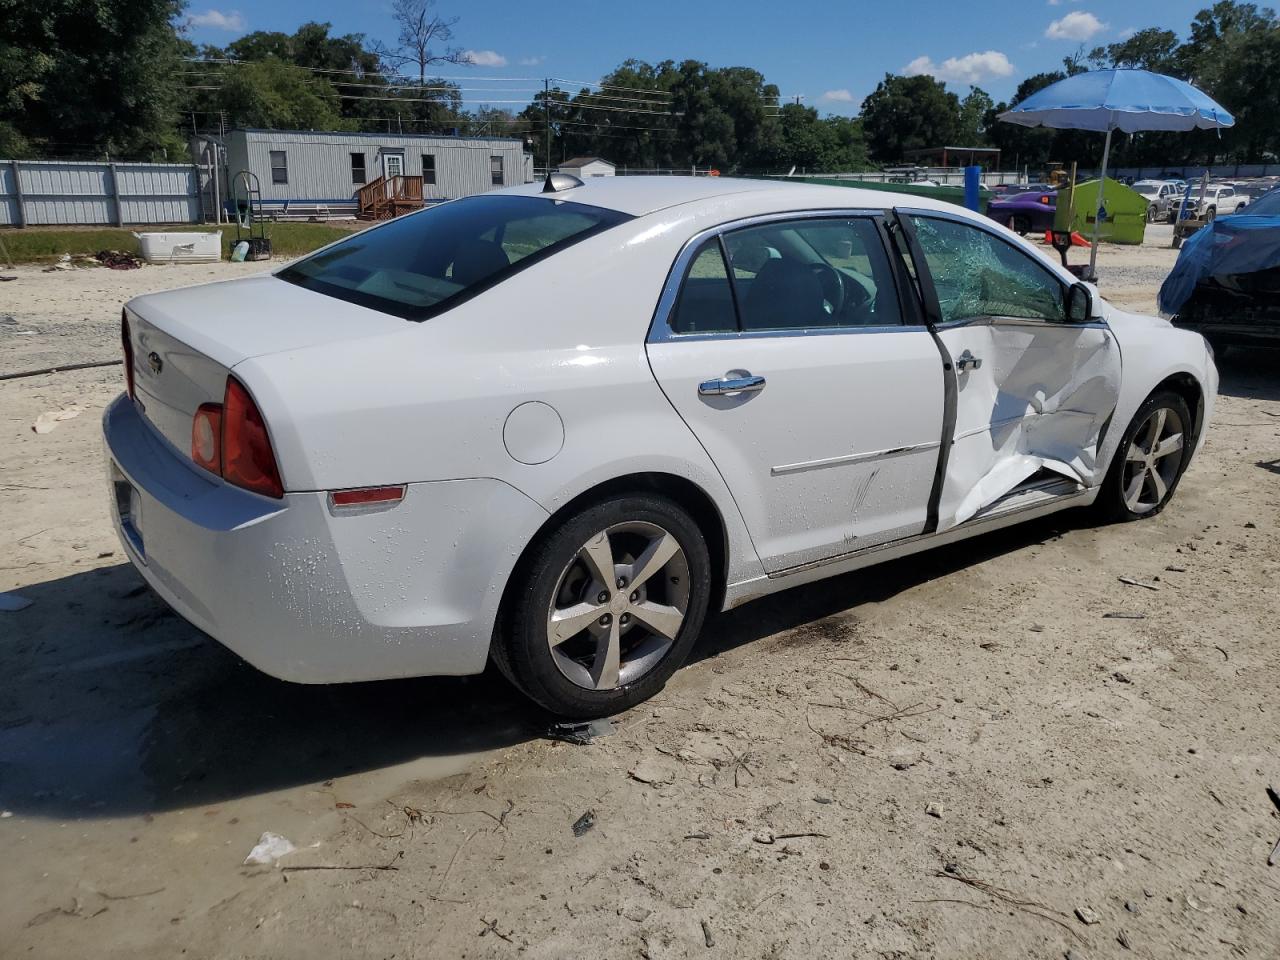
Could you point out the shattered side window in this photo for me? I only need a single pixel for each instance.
(977, 274)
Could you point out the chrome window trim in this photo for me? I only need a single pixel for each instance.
(660, 326)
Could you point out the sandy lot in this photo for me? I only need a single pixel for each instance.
(777, 800)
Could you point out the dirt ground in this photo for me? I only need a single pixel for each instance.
(943, 757)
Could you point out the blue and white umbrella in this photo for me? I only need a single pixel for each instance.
(1125, 100)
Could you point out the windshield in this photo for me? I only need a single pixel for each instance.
(425, 263)
(1147, 189)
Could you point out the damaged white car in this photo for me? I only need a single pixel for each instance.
(553, 425)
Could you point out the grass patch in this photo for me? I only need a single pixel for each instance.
(42, 244)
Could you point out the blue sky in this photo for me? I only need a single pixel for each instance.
(832, 54)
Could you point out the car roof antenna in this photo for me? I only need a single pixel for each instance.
(560, 181)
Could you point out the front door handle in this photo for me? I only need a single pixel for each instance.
(741, 382)
(967, 361)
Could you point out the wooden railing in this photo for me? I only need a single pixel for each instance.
(388, 197)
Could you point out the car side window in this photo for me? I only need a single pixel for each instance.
(976, 274)
(705, 304)
(812, 273)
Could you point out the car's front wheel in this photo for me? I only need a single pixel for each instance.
(1149, 461)
(1152, 213)
(606, 607)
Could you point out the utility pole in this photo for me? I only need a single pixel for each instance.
(546, 115)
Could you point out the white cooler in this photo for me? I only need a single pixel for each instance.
(181, 247)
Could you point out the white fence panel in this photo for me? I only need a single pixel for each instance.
(66, 192)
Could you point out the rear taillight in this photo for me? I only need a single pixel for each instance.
(206, 437)
(247, 457)
(231, 440)
(126, 341)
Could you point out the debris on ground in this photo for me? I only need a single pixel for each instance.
(651, 772)
(118, 259)
(1088, 916)
(934, 809)
(47, 421)
(271, 847)
(584, 823)
(1124, 616)
(580, 734)
(12, 602)
(1137, 583)
(707, 938)
(1275, 851)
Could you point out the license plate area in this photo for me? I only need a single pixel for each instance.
(128, 503)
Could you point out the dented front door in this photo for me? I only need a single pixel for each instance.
(1031, 391)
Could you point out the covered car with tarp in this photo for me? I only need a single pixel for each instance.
(1226, 283)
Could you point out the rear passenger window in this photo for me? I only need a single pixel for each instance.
(812, 274)
(706, 299)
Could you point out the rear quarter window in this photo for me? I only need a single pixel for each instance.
(425, 263)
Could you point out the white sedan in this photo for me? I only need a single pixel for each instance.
(554, 425)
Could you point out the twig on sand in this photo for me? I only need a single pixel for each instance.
(129, 896)
(366, 866)
(491, 926)
(1031, 907)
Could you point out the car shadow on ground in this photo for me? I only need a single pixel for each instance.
(1249, 372)
(111, 705)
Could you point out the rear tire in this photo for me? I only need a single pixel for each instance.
(1153, 453)
(1020, 226)
(606, 607)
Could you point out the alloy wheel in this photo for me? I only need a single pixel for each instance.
(618, 606)
(1153, 460)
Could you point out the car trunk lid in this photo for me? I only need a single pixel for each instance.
(186, 341)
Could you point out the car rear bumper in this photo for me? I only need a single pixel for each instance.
(308, 596)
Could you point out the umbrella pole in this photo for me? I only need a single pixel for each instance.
(1097, 214)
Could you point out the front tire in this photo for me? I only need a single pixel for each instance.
(1153, 453)
(607, 607)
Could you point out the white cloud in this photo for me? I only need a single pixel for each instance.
(486, 58)
(530, 61)
(231, 22)
(1077, 25)
(971, 68)
(1058, 3)
(838, 96)
(1127, 32)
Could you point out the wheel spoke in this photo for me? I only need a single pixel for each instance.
(660, 549)
(1158, 485)
(1170, 444)
(569, 622)
(604, 671)
(598, 556)
(1157, 427)
(1136, 454)
(1133, 492)
(660, 618)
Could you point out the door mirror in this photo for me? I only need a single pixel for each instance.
(1079, 304)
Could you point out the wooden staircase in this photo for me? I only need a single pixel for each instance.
(388, 197)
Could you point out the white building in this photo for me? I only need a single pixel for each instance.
(585, 167)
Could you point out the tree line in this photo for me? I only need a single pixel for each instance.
(1232, 52)
(120, 78)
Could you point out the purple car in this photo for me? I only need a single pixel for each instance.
(1025, 212)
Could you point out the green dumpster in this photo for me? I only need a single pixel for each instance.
(1124, 209)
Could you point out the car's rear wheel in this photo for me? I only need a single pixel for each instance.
(1020, 225)
(607, 607)
(1149, 461)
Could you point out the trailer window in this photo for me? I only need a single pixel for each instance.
(428, 168)
(279, 167)
(495, 170)
(357, 168)
(422, 264)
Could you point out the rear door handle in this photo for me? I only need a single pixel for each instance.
(967, 361)
(745, 383)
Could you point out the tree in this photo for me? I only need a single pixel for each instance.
(272, 93)
(908, 113)
(90, 77)
(1150, 49)
(975, 109)
(422, 31)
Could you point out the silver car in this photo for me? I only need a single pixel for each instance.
(1162, 199)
